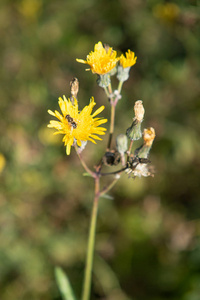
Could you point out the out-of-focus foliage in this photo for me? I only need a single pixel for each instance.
(148, 244)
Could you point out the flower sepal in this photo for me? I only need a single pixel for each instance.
(123, 73)
(134, 132)
(103, 80)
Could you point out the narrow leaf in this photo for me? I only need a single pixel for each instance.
(87, 174)
(64, 284)
(106, 196)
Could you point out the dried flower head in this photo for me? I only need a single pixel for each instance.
(74, 85)
(134, 131)
(77, 126)
(139, 110)
(149, 136)
(139, 171)
(102, 60)
(138, 167)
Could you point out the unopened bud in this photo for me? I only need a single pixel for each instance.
(122, 143)
(139, 110)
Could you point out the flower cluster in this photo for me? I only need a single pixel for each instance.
(78, 127)
(103, 61)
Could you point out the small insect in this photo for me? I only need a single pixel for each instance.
(135, 161)
(71, 121)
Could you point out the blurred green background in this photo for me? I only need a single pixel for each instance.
(148, 243)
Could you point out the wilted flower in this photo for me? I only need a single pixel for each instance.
(134, 131)
(148, 138)
(139, 171)
(138, 167)
(74, 88)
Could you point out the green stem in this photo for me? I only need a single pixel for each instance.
(109, 187)
(91, 242)
(112, 124)
(120, 86)
(129, 150)
(110, 89)
(107, 93)
(83, 163)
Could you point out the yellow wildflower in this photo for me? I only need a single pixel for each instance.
(129, 60)
(102, 60)
(77, 126)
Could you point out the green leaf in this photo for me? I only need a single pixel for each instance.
(87, 174)
(106, 196)
(64, 284)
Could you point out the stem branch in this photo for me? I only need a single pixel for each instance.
(84, 164)
(109, 187)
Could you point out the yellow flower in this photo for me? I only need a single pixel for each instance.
(2, 162)
(129, 60)
(77, 126)
(102, 60)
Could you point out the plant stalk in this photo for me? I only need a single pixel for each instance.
(91, 243)
(112, 124)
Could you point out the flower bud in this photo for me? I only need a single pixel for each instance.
(122, 143)
(134, 132)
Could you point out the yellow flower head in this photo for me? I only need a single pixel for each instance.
(129, 60)
(77, 126)
(102, 60)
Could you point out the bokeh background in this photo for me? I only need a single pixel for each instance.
(148, 243)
